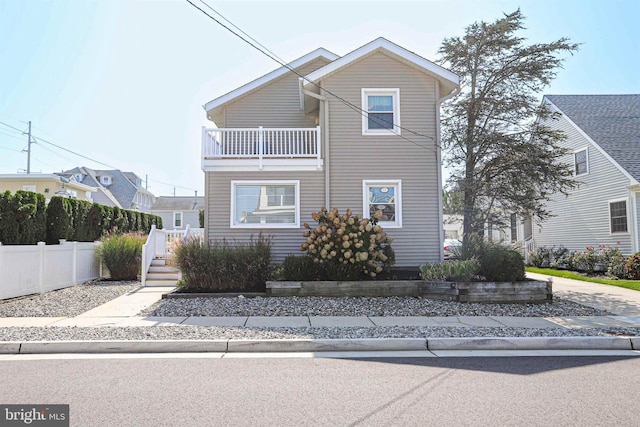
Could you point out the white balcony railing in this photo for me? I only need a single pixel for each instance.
(261, 143)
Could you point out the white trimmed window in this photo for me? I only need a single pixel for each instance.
(105, 180)
(31, 188)
(581, 162)
(382, 111)
(177, 220)
(265, 204)
(618, 218)
(385, 196)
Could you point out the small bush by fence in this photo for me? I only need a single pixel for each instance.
(26, 220)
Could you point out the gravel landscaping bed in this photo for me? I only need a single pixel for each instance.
(200, 332)
(359, 306)
(67, 302)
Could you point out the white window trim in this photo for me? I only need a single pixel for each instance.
(366, 183)
(29, 187)
(181, 219)
(585, 149)
(235, 183)
(395, 92)
(609, 202)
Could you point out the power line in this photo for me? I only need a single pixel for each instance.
(275, 58)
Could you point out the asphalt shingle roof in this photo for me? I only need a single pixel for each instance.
(178, 203)
(611, 121)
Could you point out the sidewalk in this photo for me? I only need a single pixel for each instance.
(121, 312)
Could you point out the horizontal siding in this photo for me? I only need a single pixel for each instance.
(285, 241)
(354, 157)
(275, 105)
(582, 218)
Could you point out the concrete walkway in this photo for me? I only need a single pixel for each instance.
(122, 311)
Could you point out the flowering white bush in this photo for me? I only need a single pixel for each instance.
(348, 245)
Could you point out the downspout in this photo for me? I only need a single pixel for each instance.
(325, 141)
(439, 161)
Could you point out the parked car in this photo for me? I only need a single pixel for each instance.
(451, 248)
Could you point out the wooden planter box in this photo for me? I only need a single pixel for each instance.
(529, 291)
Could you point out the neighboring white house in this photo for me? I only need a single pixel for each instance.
(178, 212)
(360, 131)
(603, 136)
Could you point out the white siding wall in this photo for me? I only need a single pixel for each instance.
(355, 157)
(582, 218)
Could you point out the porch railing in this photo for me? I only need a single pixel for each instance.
(261, 143)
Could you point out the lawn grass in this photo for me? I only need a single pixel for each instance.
(629, 284)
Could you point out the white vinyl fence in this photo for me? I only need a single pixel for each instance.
(31, 269)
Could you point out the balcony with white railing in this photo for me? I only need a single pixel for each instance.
(246, 149)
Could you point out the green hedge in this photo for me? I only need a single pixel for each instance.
(22, 218)
(25, 219)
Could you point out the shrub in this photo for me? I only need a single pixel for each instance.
(122, 255)
(502, 264)
(454, 271)
(632, 266)
(58, 220)
(498, 262)
(298, 268)
(224, 266)
(616, 266)
(347, 246)
(549, 257)
(22, 218)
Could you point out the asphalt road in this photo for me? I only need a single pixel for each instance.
(524, 391)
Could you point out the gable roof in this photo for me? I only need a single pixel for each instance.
(267, 78)
(610, 121)
(448, 80)
(178, 203)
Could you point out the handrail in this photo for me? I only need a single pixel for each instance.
(148, 252)
(261, 142)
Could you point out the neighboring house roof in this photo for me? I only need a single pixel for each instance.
(212, 106)
(178, 203)
(121, 191)
(448, 80)
(610, 121)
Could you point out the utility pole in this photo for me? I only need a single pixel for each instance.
(29, 142)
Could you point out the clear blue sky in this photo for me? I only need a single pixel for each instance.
(124, 81)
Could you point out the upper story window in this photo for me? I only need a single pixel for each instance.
(265, 204)
(385, 196)
(618, 216)
(382, 111)
(581, 162)
(177, 219)
(105, 180)
(31, 188)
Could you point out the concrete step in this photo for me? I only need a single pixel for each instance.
(156, 282)
(163, 276)
(162, 269)
(159, 261)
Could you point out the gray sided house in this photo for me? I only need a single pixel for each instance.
(360, 131)
(115, 188)
(179, 211)
(603, 136)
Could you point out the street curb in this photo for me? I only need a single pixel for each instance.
(319, 345)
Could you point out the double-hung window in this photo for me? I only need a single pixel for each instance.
(265, 204)
(618, 216)
(381, 111)
(177, 220)
(581, 162)
(384, 196)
